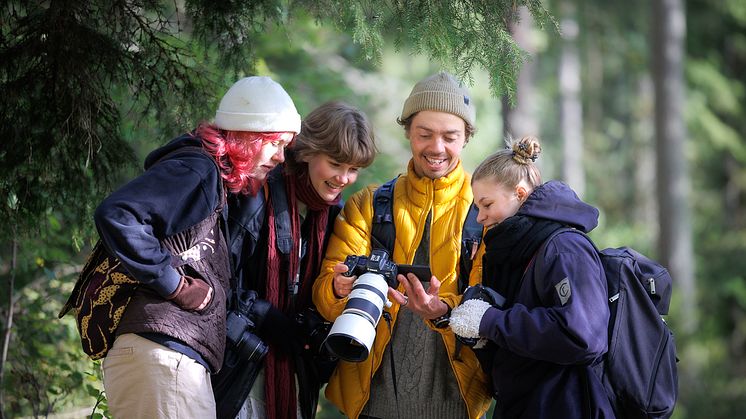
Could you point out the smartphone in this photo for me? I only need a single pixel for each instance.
(422, 272)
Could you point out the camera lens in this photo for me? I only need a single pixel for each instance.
(354, 331)
(238, 333)
(251, 347)
(367, 298)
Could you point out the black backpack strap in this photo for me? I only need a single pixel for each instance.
(471, 237)
(283, 227)
(542, 249)
(334, 211)
(538, 259)
(383, 231)
(283, 224)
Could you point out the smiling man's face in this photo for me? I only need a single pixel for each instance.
(436, 139)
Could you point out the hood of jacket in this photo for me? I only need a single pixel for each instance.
(185, 140)
(555, 201)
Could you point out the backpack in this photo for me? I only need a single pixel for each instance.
(639, 370)
(384, 231)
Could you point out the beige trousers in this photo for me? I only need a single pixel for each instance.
(143, 379)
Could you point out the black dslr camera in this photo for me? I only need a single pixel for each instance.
(353, 332)
(241, 323)
(378, 262)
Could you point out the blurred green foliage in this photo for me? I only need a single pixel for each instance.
(317, 60)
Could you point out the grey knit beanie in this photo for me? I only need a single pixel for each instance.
(440, 92)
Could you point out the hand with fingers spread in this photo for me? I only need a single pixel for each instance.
(342, 284)
(425, 304)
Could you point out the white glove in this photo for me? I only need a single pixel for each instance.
(466, 317)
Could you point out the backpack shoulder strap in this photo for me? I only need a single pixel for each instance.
(283, 226)
(568, 229)
(471, 237)
(538, 258)
(334, 211)
(383, 231)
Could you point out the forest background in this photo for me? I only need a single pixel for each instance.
(639, 105)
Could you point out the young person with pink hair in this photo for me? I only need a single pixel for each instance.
(172, 335)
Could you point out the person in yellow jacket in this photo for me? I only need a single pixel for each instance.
(414, 368)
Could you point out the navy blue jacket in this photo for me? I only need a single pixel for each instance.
(558, 326)
(166, 199)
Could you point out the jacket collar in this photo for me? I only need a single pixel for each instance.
(443, 189)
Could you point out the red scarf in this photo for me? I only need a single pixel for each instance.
(279, 373)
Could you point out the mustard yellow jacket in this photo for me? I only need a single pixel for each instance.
(448, 198)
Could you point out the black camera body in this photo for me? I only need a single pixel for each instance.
(241, 323)
(239, 333)
(481, 292)
(378, 262)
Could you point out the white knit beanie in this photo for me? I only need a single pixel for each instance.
(440, 92)
(257, 104)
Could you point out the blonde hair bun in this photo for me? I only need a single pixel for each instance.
(526, 150)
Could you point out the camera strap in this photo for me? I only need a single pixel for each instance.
(387, 317)
(383, 231)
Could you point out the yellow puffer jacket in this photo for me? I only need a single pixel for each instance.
(414, 197)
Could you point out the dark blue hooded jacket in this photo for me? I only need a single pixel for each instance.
(558, 325)
(169, 197)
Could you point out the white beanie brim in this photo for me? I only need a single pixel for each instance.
(258, 122)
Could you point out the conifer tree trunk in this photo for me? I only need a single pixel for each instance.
(675, 243)
(8, 322)
(645, 208)
(520, 120)
(571, 110)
